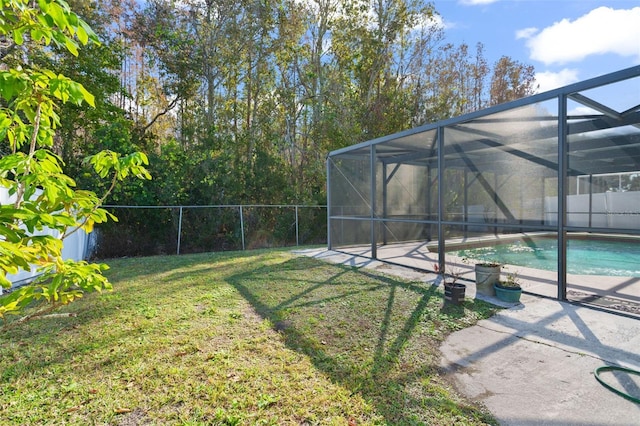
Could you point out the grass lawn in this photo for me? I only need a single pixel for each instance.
(258, 337)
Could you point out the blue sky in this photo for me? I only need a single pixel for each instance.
(565, 40)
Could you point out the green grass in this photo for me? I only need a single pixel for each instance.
(260, 337)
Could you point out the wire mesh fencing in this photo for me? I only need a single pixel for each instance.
(156, 230)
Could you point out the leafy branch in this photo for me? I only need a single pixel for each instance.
(45, 207)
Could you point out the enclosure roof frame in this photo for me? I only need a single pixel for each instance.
(567, 91)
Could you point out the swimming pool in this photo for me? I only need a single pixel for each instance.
(584, 256)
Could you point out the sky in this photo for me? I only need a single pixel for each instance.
(565, 40)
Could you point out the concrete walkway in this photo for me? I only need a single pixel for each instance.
(532, 364)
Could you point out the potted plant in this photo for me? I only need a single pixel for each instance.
(453, 291)
(487, 274)
(509, 290)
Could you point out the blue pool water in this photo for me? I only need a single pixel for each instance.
(585, 257)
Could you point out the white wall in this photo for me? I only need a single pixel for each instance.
(74, 246)
(609, 210)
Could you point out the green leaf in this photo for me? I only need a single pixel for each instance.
(38, 34)
(8, 86)
(4, 282)
(88, 96)
(43, 5)
(92, 35)
(57, 14)
(5, 122)
(82, 35)
(72, 46)
(17, 36)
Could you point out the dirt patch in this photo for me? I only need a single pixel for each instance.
(134, 418)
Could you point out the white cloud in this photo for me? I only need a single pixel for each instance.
(603, 30)
(582, 110)
(476, 2)
(552, 80)
(526, 32)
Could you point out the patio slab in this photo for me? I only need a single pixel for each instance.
(534, 364)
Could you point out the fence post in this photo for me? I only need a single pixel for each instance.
(179, 230)
(297, 241)
(242, 226)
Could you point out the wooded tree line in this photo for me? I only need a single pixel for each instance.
(239, 101)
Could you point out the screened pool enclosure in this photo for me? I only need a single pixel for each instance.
(548, 185)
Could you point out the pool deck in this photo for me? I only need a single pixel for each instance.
(608, 292)
(533, 363)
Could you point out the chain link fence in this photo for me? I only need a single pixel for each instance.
(155, 230)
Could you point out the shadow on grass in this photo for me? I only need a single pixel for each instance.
(374, 335)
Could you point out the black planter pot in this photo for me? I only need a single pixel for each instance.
(454, 292)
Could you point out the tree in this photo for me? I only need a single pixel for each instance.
(378, 46)
(511, 80)
(172, 61)
(43, 196)
(270, 87)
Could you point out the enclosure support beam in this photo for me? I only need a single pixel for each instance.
(465, 201)
(441, 246)
(385, 181)
(242, 226)
(297, 229)
(428, 202)
(562, 200)
(374, 246)
(521, 213)
(543, 194)
(590, 200)
(329, 203)
(179, 231)
(497, 202)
